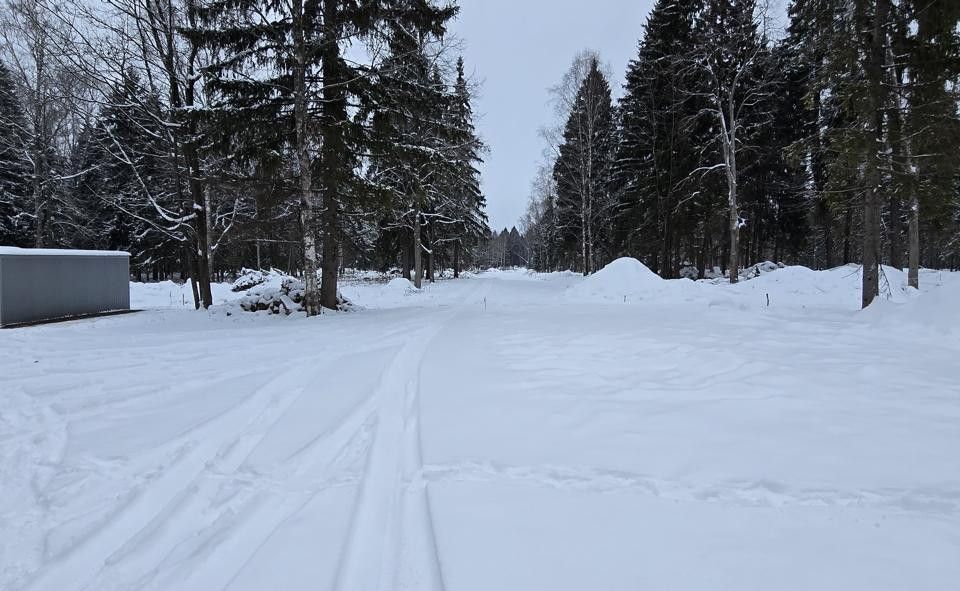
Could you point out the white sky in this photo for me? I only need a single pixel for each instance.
(517, 50)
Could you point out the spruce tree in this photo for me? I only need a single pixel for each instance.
(412, 142)
(464, 217)
(934, 65)
(124, 189)
(583, 169)
(13, 164)
(655, 158)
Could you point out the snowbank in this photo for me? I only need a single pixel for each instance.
(936, 310)
(624, 280)
(799, 286)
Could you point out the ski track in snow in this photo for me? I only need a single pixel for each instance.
(935, 502)
(181, 494)
(137, 523)
(391, 544)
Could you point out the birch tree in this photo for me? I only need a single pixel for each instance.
(728, 60)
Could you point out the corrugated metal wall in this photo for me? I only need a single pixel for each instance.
(45, 284)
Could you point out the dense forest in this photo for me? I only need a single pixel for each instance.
(204, 135)
(837, 141)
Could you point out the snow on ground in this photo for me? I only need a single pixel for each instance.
(169, 294)
(499, 432)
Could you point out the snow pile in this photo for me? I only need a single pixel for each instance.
(400, 285)
(624, 280)
(248, 279)
(286, 299)
(754, 271)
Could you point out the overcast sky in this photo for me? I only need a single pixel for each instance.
(517, 50)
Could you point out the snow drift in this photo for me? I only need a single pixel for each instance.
(627, 280)
(623, 280)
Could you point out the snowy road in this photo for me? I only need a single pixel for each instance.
(490, 433)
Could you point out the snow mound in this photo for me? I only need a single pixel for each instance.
(248, 279)
(400, 285)
(285, 300)
(622, 280)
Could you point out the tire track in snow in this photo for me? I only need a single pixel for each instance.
(391, 545)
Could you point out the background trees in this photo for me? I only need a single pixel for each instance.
(835, 144)
(206, 135)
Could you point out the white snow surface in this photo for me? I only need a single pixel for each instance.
(492, 433)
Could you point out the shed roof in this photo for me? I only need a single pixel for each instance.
(14, 251)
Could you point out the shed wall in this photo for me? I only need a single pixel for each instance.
(38, 287)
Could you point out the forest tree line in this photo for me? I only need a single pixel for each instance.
(836, 143)
(204, 135)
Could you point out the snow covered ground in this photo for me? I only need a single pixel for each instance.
(512, 431)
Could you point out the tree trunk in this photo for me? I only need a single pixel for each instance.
(456, 260)
(896, 239)
(192, 158)
(730, 150)
(871, 243)
(847, 234)
(666, 271)
(871, 205)
(407, 262)
(311, 303)
(39, 209)
(828, 244)
(417, 250)
(194, 286)
(428, 247)
(702, 258)
(734, 263)
(914, 231)
(333, 150)
(585, 266)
